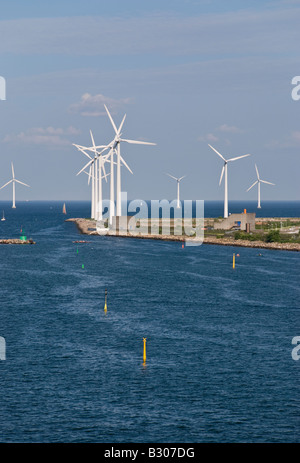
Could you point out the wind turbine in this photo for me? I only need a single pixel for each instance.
(102, 159)
(13, 181)
(96, 189)
(258, 182)
(96, 165)
(224, 170)
(178, 181)
(115, 146)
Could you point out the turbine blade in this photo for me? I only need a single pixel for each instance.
(136, 142)
(92, 138)
(222, 173)
(87, 164)
(172, 176)
(269, 183)
(102, 166)
(104, 176)
(110, 154)
(125, 164)
(82, 150)
(12, 169)
(25, 184)
(239, 157)
(105, 158)
(89, 174)
(256, 171)
(219, 154)
(99, 147)
(111, 120)
(6, 184)
(252, 185)
(121, 125)
(181, 178)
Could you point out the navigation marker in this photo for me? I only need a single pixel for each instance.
(144, 353)
(105, 304)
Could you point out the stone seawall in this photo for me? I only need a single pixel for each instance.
(253, 244)
(88, 227)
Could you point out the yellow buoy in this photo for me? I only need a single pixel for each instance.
(105, 304)
(233, 261)
(144, 354)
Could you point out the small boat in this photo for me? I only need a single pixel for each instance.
(3, 218)
(64, 209)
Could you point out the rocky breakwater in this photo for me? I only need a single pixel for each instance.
(16, 241)
(252, 244)
(85, 226)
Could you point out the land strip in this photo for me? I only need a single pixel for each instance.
(88, 227)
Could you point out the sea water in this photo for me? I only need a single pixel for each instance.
(218, 340)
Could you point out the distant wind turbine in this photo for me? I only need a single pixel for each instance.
(13, 181)
(224, 170)
(178, 181)
(258, 182)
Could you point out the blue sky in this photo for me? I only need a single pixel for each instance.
(185, 72)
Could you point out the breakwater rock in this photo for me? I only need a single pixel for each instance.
(253, 244)
(16, 241)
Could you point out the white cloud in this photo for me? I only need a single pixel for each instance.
(229, 129)
(43, 136)
(93, 105)
(290, 141)
(208, 137)
(224, 128)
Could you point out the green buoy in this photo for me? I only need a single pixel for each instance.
(23, 237)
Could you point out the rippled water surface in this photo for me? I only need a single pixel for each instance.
(219, 365)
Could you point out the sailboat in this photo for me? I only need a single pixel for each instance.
(3, 218)
(64, 209)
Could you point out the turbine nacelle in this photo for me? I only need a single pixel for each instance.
(175, 178)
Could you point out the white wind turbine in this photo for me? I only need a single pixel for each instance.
(115, 147)
(224, 170)
(96, 165)
(178, 181)
(13, 181)
(258, 182)
(93, 173)
(103, 159)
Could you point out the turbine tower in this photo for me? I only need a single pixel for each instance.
(13, 181)
(178, 181)
(224, 171)
(115, 146)
(258, 182)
